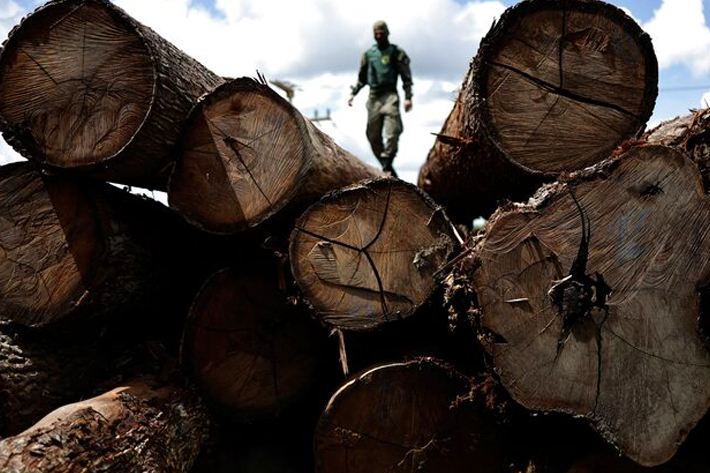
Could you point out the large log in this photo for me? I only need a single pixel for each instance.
(248, 154)
(403, 417)
(132, 429)
(74, 249)
(689, 134)
(40, 371)
(85, 87)
(555, 86)
(252, 354)
(368, 254)
(590, 300)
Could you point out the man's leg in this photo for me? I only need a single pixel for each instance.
(392, 129)
(374, 126)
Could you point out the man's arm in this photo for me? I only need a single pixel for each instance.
(405, 72)
(361, 79)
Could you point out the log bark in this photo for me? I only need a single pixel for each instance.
(252, 354)
(132, 429)
(404, 417)
(555, 87)
(590, 300)
(85, 87)
(369, 254)
(689, 134)
(40, 371)
(248, 154)
(78, 250)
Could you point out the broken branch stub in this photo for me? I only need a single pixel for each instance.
(86, 88)
(555, 86)
(248, 154)
(369, 254)
(405, 417)
(590, 303)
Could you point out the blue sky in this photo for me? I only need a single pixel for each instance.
(316, 45)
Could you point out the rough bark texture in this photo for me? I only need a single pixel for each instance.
(40, 371)
(75, 249)
(83, 86)
(369, 254)
(404, 417)
(689, 134)
(132, 429)
(555, 87)
(251, 353)
(590, 302)
(248, 154)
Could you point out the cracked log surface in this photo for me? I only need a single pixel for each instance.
(555, 87)
(135, 428)
(590, 300)
(404, 417)
(251, 353)
(85, 87)
(248, 154)
(74, 249)
(368, 254)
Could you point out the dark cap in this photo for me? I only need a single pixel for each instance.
(381, 25)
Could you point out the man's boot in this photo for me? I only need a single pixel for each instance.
(387, 166)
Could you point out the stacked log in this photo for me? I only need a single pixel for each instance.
(555, 87)
(219, 333)
(248, 154)
(85, 87)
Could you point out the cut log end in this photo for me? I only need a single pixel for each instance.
(591, 298)
(250, 352)
(243, 158)
(45, 267)
(562, 83)
(404, 417)
(369, 254)
(84, 114)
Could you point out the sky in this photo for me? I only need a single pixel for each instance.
(316, 45)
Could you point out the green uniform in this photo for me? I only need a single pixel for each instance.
(379, 69)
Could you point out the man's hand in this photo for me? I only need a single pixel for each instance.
(407, 105)
(350, 101)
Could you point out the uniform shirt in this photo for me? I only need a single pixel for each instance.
(379, 68)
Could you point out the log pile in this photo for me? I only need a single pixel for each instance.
(295, 311)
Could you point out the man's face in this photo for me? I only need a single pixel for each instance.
(380, 36)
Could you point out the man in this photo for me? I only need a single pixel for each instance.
(379, 68)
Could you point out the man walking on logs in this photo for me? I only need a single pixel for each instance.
(379, 68)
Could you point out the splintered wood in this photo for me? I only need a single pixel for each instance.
(369, 254)
(590, 301)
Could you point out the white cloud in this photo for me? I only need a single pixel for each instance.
(680, 35)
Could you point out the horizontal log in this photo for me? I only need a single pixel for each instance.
(85, 87)
(248, 154)
(135, 428)
(555, 87)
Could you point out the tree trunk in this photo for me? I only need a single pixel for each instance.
(689, 134)
(71, 249)
(132, 429)
(590, 302)
(369, 254)
(40, 371)
(556, 86)
(85, 87)
(248, 154)
(251, 353)
(403, 417)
